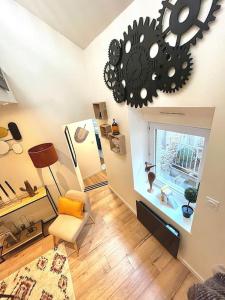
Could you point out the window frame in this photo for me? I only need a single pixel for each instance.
(153, 126)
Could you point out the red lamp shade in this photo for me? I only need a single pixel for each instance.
(43, 155)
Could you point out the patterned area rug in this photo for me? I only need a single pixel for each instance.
(46, 278)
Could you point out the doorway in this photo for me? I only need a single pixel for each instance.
(83, 139)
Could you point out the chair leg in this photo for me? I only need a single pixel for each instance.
(92, 219)
(76, 247)
(55, 241)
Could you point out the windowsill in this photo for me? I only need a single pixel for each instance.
(175, 214)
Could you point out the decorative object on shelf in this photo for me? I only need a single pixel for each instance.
(81, 134)
(14, 130)
(17, 148)
(117, 143)
(6, 235)
(22, 238)
(115, 128)
(27, 224)
(2, 203)
(105, 129)
(3, 132)
(9, 201)
(100, 110)
(28, 188)
(3, 83)
(144, 61)
(6, 194)
(11, 189)
(5, 147)
(44, 155)
(191, 195)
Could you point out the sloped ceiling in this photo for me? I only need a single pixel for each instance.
(79, 20)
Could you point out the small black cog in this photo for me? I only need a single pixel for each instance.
(119, 92)
(179, 27)
(114, 52)
(177, 69)
(110, 75)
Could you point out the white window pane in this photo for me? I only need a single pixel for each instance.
(178, 158)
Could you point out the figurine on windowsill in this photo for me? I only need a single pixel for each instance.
(165, 193)
(151, 175)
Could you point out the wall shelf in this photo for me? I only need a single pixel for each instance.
(105, 129)
(100, 110)
(117, 143)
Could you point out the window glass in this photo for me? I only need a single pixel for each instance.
(178, 158)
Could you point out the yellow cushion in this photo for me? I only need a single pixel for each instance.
(70, 207)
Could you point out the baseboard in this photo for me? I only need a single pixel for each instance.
(122, 199)
(193, 271)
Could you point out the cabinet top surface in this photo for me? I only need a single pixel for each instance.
(41, 193)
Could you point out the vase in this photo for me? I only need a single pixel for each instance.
(151, 179)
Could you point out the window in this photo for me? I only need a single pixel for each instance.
(178, 153)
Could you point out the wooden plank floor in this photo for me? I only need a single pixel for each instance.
(118, 257)
(99, 177)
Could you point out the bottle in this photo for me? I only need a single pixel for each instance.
(115, 128)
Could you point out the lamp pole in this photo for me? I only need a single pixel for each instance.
(55, 181)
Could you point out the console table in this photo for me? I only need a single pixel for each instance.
(24, 236)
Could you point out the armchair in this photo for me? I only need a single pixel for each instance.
(67, 227)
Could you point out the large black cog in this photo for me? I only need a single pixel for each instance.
(140, 71)
(177, 69)
(114, 52)
(179, 28)
(110, 75)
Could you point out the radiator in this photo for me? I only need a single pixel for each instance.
(166, 234)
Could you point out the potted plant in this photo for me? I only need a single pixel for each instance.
(191, 195)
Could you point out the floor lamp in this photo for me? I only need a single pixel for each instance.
(43, 156)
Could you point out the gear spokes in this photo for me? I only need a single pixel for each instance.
(110, 75)
(179, 27)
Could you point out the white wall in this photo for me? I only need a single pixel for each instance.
(87, 152)
(46, 73)
(205, 246)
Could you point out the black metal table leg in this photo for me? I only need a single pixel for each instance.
(51, 201)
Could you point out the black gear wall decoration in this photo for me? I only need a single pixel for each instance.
(145, 62)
